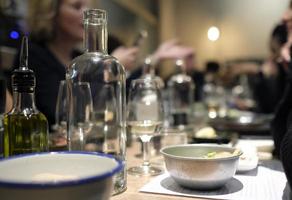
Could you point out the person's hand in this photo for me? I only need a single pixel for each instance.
(172, 50)
(243, 68)
(269, 68)
(285, 52)
(127, 56)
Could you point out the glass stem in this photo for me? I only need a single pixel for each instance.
(146, 149)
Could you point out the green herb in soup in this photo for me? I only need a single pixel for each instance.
(221, 154)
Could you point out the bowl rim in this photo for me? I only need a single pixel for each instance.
(162, 151)
(79, 181)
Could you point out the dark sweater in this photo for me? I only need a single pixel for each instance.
(272, 87)
(282, 128)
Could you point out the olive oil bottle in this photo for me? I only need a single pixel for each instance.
(25, 128)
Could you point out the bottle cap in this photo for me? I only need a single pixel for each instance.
(23, 79)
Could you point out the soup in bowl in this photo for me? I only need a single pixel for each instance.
(58, 175)
(201, 166)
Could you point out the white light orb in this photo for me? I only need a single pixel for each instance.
(213, 33)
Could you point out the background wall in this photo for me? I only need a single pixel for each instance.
(127, 17)
(245, 26)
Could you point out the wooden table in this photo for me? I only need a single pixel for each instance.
(135, 183)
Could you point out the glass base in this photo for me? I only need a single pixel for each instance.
(118, 191)
(120, 183)
(145, 171)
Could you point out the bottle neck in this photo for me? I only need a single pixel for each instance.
(181, 66)
(95, 37)
(148, 69)
(23, 100)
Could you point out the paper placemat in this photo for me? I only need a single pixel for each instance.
(264, 184)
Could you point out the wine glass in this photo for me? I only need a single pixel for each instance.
(82, 114)
(145, 118)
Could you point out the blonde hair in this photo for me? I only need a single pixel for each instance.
(41, 20)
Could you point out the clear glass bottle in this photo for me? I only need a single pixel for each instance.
(25, 128)
(181, 96)
(106, 77)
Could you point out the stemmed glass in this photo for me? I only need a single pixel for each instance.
(144, 119)
(82, 116)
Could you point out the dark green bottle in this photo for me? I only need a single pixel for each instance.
(25, 128)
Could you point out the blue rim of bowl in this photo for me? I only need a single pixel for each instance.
(199, 158)
(81, 181)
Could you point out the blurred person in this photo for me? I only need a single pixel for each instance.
(198, 76)
(212, 72)
(169, 49)
(203, 78)
(266, 79)
(282, 122)
(6, 100)
(7, 24)
(55, 29)
(285, 50)
(271, 77)
(127, 56)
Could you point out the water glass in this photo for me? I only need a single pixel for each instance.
(83, 114)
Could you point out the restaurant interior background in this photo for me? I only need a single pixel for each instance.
(242, 35)
(245, 26)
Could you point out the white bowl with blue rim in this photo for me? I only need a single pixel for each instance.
(58, 175)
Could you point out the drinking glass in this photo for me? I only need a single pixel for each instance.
(145, 119)
(168, 136)
(83, 114)
(61, 112)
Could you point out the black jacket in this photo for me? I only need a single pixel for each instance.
(282, 127)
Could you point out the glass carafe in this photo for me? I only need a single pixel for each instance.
(106, 77)
(181, 96)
